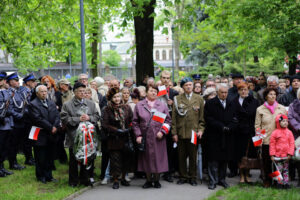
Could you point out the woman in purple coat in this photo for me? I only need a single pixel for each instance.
(294, 124)
(154, 159)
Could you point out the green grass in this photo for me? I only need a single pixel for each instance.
(255, 192)
(23, 184)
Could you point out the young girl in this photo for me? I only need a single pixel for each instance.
(282, 147)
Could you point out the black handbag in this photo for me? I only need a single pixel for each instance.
(129, 146)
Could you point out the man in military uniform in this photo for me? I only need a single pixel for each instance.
(16, 135)
(5, 123)
(187, 118)
(28, 91)
(197, 78)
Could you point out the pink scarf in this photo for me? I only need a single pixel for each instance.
(271, 108)
(150, 103)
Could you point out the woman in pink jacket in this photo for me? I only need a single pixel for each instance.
(282, 147)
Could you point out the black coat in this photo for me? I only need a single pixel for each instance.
(288, 98)
(219, 144)
(45, 118)
(115, 140)
(245, 128)
(172, 94)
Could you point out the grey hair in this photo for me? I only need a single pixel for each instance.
(221, 85)
(209, 91)
(38, 88)
(80, 75)
(298, 93)
(150, 78)
(273, 78)
(125, 88)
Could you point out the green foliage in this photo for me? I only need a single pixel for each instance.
(246, 192)
(23, 184)
(112, 58)
(39, 33)
(264, 28)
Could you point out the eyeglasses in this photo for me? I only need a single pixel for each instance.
(84, 79)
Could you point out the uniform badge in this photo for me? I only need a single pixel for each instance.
(196, 108)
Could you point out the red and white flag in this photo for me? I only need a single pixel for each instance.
(194, 137)
(159, 117)
(34, 133)
(166, 128)
(276, 176)
(162, 90)
(257, 140)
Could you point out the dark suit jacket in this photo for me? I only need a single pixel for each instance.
(45, 118)
(219, 144)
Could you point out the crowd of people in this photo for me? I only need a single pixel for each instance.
(158, 129)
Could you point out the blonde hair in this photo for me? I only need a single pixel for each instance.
(166, 72)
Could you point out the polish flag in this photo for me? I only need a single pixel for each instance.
(276, 176)
(159, 117)
(34, 133)
(257, 140)
(166, 127)
(162, 90)
(194, 138)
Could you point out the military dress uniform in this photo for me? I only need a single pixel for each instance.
(187, 116)
(16, 135)
(27, 143)
(6, 124)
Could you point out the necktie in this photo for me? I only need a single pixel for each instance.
(45, 103)
(223, 103)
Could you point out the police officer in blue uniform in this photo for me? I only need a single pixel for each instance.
(18, 108)
(6, 123)
(28, 91)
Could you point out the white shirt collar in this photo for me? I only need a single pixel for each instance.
(241, 100)
(189, 96)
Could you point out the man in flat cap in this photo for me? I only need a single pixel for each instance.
(71, 116)
(187, 123)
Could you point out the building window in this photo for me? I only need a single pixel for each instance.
(164, 55)
(156, 55)
(170, 54)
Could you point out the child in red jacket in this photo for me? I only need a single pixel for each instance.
(282, 147)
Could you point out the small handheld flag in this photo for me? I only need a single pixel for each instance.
(162, 90)
(34, 133)
(194, 138)
(159, 117)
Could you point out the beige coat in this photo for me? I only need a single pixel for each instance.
(266, 120)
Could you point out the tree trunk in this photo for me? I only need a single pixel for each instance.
(144, 26)
(94, 54)
(255, 58)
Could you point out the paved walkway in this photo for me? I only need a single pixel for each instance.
(168, 191)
